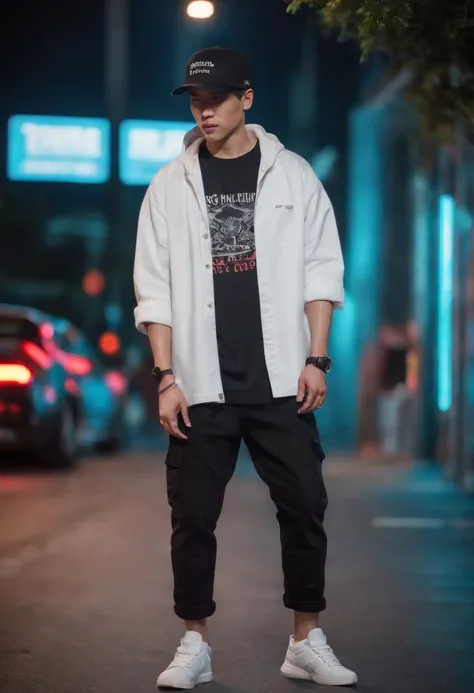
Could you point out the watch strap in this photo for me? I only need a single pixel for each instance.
(321, 362)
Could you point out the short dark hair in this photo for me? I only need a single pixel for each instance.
(239, 93)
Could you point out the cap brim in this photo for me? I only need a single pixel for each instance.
(214, 88)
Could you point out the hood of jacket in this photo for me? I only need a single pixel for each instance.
(270, 147)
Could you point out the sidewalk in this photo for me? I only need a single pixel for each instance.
(89, 608)
(400, 575)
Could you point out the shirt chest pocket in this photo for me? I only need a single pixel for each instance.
(288, 224)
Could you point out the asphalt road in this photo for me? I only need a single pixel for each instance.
(85, 582)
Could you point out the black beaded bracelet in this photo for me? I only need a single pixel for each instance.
(168, 387)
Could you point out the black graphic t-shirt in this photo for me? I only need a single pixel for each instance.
(230, 186)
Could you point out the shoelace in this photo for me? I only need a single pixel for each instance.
(325, 653)
(183, 656)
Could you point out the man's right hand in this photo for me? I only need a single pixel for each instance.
(170, 404)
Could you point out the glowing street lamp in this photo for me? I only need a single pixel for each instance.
(200, 9)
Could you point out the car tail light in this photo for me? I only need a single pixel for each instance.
(37, 354)
(15, 374)
(116, 382)
(71, 386)
(47, 331)
(10, 408)
(75, 364)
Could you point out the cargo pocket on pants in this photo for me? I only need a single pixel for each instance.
(173, 462)
(174, 455)
(309, 420)
(319, 450)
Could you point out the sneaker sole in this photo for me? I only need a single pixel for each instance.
(293, 672)
(204, 678)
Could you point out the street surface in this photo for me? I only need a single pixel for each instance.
(85, 580)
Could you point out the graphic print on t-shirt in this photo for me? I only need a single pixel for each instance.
(232, 231)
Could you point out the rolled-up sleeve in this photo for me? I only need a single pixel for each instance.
(324, 264)
(151, 274)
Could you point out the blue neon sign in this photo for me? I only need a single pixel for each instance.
(445, 300)
(57, 148)
(146, 146)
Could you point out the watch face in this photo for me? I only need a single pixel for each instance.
(159, 374)
(327, 363)
(156, 373)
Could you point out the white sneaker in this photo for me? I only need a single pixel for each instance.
(190, 666)
(314, 660)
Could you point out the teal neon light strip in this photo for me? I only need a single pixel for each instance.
(445, 300)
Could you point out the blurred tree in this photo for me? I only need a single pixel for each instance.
(434, 39)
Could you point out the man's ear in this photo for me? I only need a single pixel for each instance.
(248, 100)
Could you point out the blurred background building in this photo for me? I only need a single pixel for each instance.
(402, 385)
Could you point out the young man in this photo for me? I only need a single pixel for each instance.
(238, 268)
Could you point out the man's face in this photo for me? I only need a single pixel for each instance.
(219, 115)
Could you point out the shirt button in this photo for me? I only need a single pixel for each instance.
(221, 396)
(209, 305)
(206, 236)
(208, 266)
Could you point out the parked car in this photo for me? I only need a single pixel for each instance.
(56, 395)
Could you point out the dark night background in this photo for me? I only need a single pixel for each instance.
(53, 63)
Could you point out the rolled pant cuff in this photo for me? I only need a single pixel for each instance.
(305, 607)
(194, 613)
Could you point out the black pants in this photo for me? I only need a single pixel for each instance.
(287, 455)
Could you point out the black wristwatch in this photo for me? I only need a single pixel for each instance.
(324, 363)
(158, 374)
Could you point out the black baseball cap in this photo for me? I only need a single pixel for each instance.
(216, 69)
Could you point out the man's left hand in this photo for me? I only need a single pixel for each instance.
(312, 382)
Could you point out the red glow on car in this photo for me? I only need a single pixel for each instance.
(37, 354)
